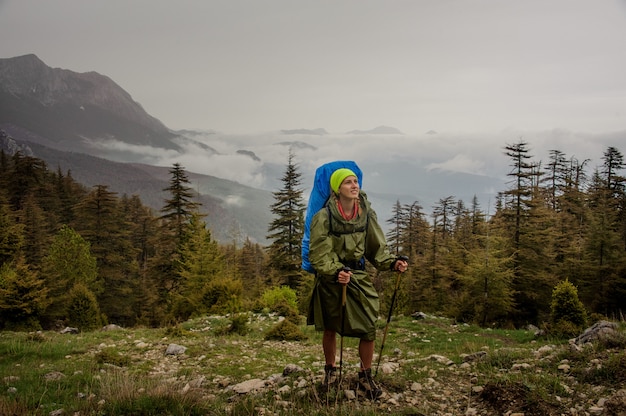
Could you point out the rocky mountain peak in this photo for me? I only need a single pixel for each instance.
(28, 77)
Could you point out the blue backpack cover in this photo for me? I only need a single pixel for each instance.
(319, 195)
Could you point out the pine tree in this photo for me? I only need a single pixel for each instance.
(488, 297)
(398, 223)
(36, 231)
(11, 234)
(68, 262)
(23, 297)
(180, 207)
(409, 236)
(201, 263)
(606, 265)
(557, 173)
(100, 221)
(522, 202)
(27, 173)
(441, 262)
(252, 257)
(174, 230)
(287, 228)
(142, 228)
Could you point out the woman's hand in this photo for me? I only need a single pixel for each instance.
(343, 277)
(401, 265)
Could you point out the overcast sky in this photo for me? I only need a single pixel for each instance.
(464, 66)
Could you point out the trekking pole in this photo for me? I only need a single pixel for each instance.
(393, 301)
(344, 293)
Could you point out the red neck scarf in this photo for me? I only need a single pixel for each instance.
(355, 210)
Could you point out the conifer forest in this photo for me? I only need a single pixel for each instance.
(72, 256)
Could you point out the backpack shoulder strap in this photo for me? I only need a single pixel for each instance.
(338, 233)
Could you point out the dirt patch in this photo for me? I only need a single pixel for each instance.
(516, 398)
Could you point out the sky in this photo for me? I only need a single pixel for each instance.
(461, 79)
(251, 66)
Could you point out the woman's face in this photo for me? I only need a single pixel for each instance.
(349, 188)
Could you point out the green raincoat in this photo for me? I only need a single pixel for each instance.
(347, 243)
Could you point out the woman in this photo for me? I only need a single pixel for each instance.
(342, 236)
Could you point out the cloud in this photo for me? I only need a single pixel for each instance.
(388, 162)
(459, 163)
(118, 146)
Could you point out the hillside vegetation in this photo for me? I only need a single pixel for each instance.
(68, 251)
(429, 366)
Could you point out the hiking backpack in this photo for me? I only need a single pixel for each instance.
(318, 198)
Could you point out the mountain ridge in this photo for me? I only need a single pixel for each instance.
(71, 110)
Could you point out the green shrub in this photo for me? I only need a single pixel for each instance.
(271, 298)
(285, 331)
(239, 324)
(182, 309)
(288, 312)
(176, 331)
(113, 357)
(82, 309)
(567, 311)
(565, 329)
(222, 296)
(611, 372)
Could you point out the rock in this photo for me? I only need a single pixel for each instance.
(440, 359)
(564, 367)
(520, 366)
(111, 327)
(197, 382)
(419, 315)
(292, 368)
(392, 401)
(284, 390)
(536, 331)
(175, 349)
(595, 410)
(54, 376)
(69, 330)
(616, 404)
(478, 355)
(249, 386)
(599, 330)
(546, 349)
(349, 394)
(388, 368)
(416, 386)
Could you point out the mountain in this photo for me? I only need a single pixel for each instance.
(72, 111)
(87, 124)
(314, 132)
(377, 130)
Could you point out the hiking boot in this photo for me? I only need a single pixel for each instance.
(367, 384)
(330, 374)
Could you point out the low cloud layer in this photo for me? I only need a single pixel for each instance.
(421, 169)
(386, 157)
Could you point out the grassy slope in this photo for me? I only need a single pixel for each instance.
(127, 372)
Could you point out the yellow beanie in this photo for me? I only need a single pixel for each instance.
(338, 177)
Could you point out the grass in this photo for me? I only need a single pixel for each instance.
(127, 371)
